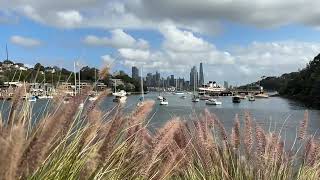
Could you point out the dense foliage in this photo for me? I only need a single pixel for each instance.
(303, 85)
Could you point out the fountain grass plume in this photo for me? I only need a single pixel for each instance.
(65, 145)
(248, 133)
(303, 126)
(235, 133)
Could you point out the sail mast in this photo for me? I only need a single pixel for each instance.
(142, 93)
(75, 78)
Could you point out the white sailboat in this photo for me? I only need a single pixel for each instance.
(119, 96)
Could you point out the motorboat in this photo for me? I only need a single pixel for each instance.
(164, 102)
(93, 96)
(120, 93)
(261, 95)
(32, 99)
(236, 99)
(251, 98)
(120, 96)
(213, 102)
(183, 97)
(159, 97)
(195, 98)
(120, 99)
(179, 93)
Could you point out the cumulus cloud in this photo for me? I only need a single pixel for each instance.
(196, 15)
(24, 41)
(107, 59)
(179, 51)
(182, 49)
(118, 39)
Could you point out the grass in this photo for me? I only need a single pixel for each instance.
(73, 143)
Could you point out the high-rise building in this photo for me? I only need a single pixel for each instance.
(201, 77)
(172, 81)
(193, 77)
(226, 85)
(135, 73)
(157, 79)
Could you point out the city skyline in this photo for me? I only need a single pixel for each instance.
(156, 80)
(234, 39)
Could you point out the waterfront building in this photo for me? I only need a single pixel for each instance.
(226, 84)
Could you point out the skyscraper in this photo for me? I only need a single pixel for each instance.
(201, 77)
(172, 82)
(194, 77)
(135, 73)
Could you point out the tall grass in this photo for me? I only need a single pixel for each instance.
(74, 143)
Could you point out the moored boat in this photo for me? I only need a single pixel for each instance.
(213, 102)
(261, 95)
(251, 98)
(164, 101)
(236, 99)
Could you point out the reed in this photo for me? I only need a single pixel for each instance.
(71, 143)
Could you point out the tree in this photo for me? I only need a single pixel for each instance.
(39, 67)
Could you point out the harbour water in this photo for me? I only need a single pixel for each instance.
(271, 113)
(274, 113)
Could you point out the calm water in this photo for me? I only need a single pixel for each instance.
(270, 113)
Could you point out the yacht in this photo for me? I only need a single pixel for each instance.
(160, 97)
(195, 98)
(262, 95)
(183, 97)
(236, 99)
(251, 98)
(212, 87)
(179, 93)
(32, 99)
(93, 97)
(164, 102)
(119, 96)
(213, 102)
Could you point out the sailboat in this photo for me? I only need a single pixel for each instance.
(119, 96)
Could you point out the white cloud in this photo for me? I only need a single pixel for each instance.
(69, 18)
(134, 54)
(107, 59)
(118, 39)
(24, 41)
(196, 15)
(179, 52)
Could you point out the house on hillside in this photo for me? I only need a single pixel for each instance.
(7, 64)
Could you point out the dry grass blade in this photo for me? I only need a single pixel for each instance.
(248, 134)
(235, 133)
(303, 126)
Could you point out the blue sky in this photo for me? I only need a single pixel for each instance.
(237, 41)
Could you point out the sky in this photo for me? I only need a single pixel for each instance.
(238, 41)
